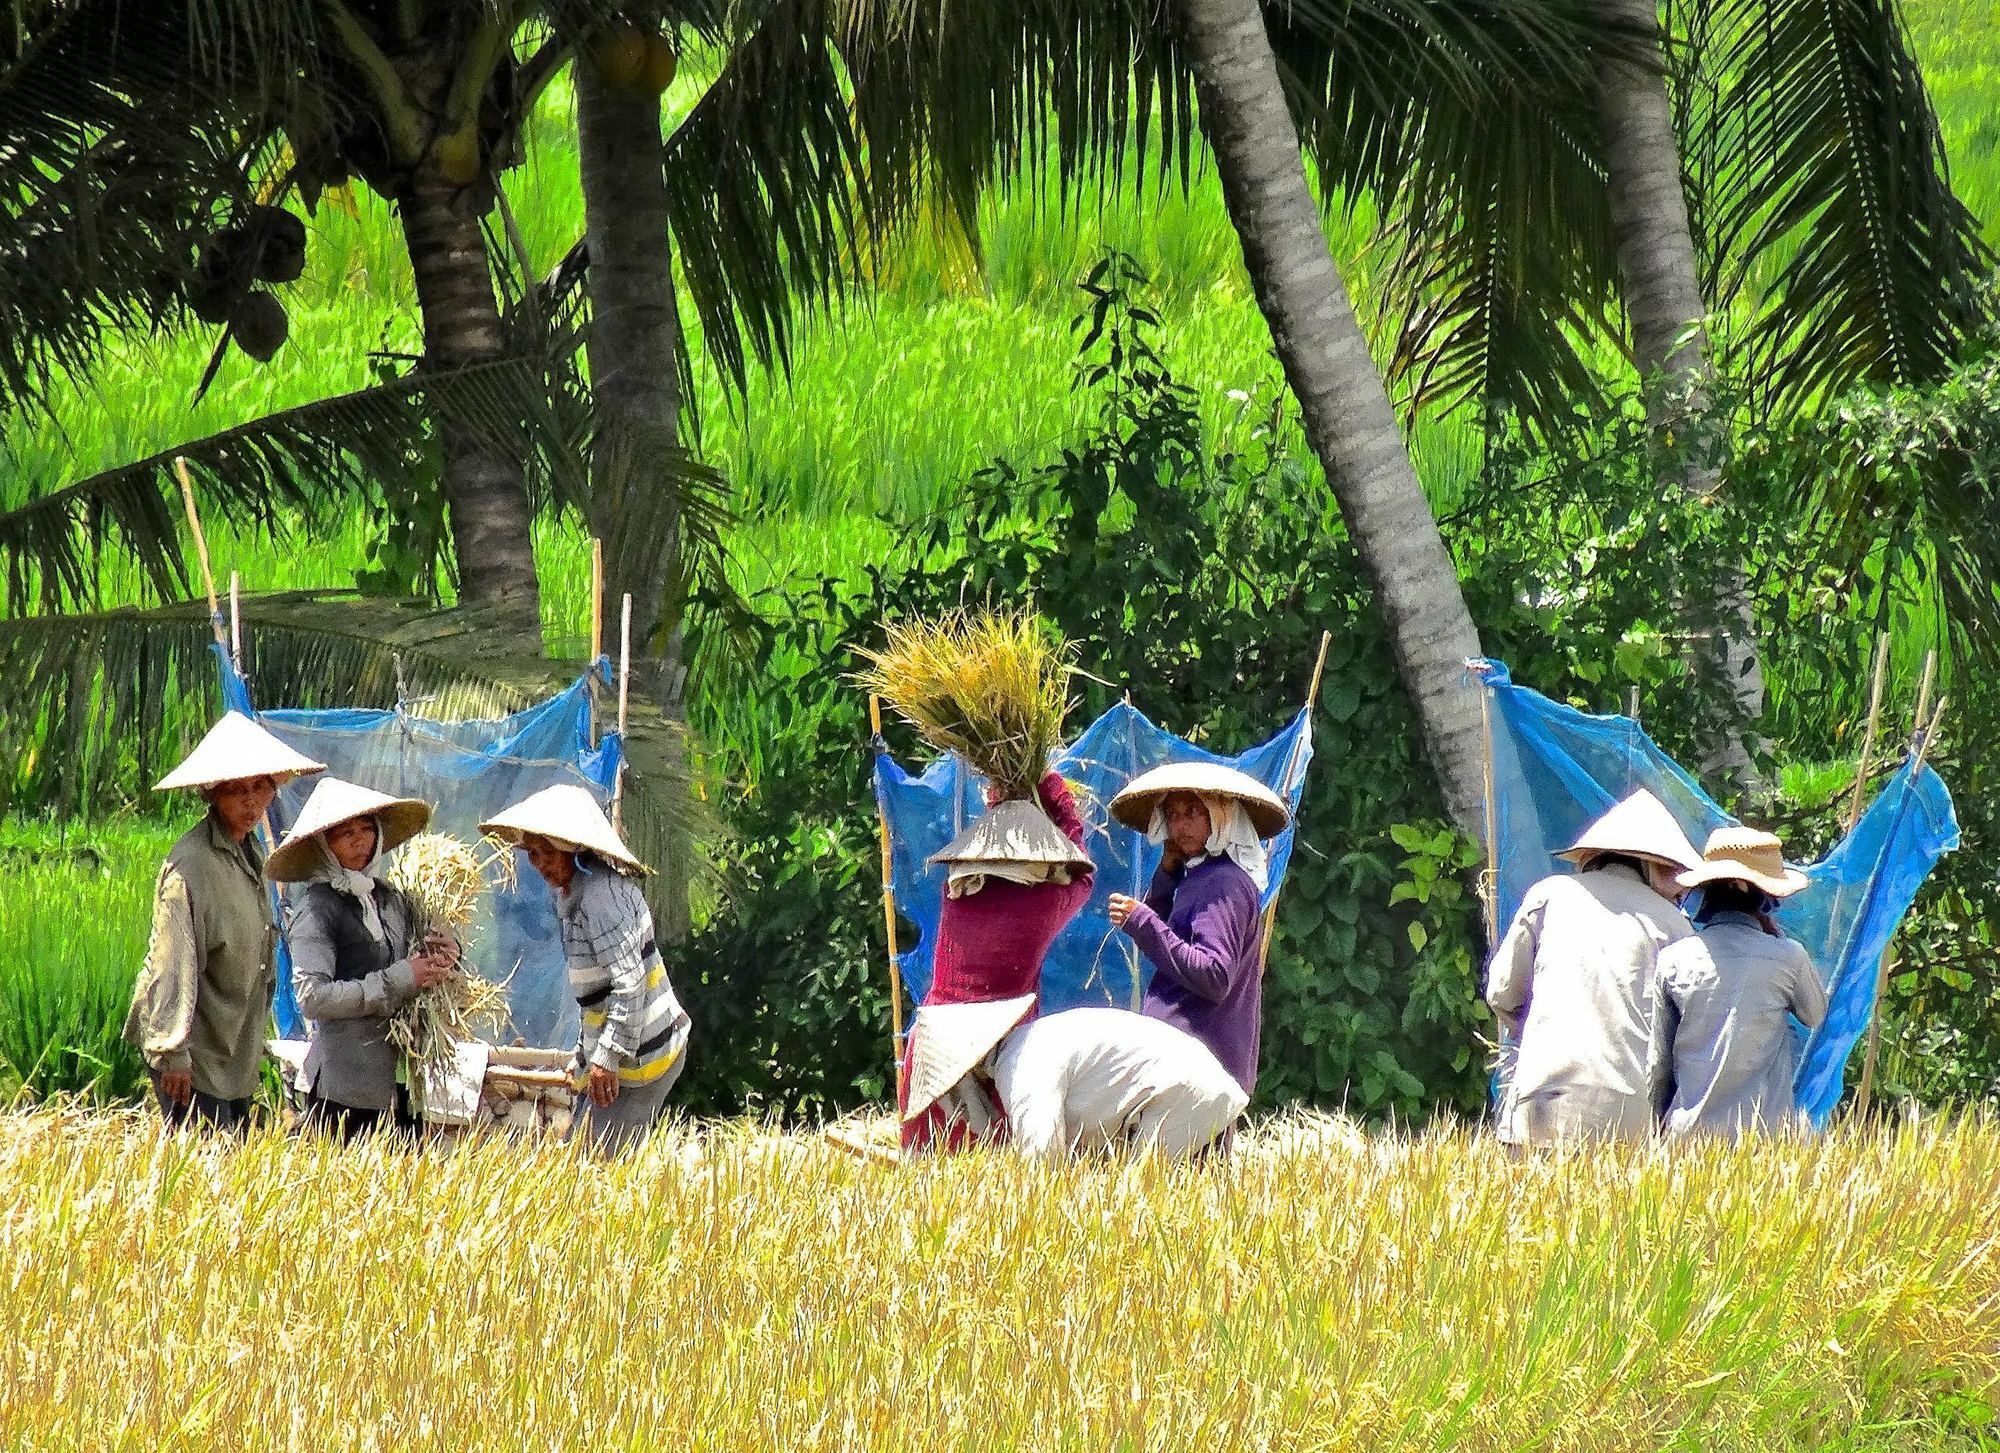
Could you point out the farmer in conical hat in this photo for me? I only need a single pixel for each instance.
(1201, 923)
(353, 962)
(1572, 978)
(633, 1043)
(1723, 1051)
(203, 999)
(1014, 879)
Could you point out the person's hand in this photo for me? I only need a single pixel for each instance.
(178, 1086)
(992, 795)
(443, 948)
(1172, 857)
(603, 1086)
(428, 971)
(1120, 908)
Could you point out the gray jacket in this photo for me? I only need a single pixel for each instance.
(347, 987)
(1723, 1051)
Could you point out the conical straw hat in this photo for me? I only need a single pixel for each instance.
(948, 1040)
(333, 802)
(1749, 856)
(235, 750)
(1014, 831)
(1640, 826)
(1135, 803)
(569, 817)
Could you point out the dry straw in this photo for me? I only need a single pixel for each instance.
(990, 684)
(444, 877)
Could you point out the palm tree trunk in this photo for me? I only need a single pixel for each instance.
(1348, 418)
(485, 482)
(1663, 298)
(634, 348)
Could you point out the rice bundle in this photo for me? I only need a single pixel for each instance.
(443, 878)
(989, 684)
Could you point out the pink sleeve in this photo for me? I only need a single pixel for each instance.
(1061, 807)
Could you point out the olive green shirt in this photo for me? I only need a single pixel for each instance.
(203, 1001)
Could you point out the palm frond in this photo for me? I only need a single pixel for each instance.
(1829, 202)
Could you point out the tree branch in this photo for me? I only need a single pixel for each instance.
(399, 115)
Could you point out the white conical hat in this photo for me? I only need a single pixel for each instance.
(1745, 854)
(1014, 831)
(948, 1040)
(1135, 803)
(234, 750)
(568, 816)
(1641, 826)
(333, 802)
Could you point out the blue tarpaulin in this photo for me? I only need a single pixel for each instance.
(1557, 768)
(1091, 962)
(468, 771)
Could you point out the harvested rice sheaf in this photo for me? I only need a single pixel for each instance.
(989, 684)
(444, 877)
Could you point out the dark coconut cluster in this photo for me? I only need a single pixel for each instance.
(260, 245)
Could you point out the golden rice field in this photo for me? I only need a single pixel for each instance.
(742, 1290)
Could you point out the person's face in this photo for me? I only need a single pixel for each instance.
(241, 805)
(1664, 882)
(352, 843)
(1187, 824)
(557, 865)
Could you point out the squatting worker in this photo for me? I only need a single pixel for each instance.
(1573, 978)
(1201, 924)
(202, 1006)
(1014, 880)
(1724, 1054)
(633, 1043)
(353, 962)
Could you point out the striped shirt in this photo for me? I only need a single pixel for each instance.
(632, 1023)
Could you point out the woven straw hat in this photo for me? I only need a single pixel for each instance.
(1749, 856)
(1134, 805)
(1014, 831)
(569, 817)
(333, 802)
(235, 750)
(1640, 826)
(948, 1040)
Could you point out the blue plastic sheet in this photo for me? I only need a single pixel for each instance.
(1091, 962)
(1557, 768)
(468, 771)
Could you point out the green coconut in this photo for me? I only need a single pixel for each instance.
(258, 325)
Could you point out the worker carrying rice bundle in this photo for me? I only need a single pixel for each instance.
(1724, 1055)
(357, 956)
(1201, 923)
(633, 1043)
(991, 686)
(203, 1000)
(1573, 978)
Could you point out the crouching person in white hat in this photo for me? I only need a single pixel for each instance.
(1573, 979)
(353, 962)
(1110, 1081)
(202, 1005)
(1724, 1056)
(633, 1044)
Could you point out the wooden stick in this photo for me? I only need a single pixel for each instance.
(1490, 894)
(624, 686)
(236, 620)
(1291, 766)
(596, 600)
(1632, 703)
(1922, 718)
(889, 921)
(200, 546)
(1868, 737)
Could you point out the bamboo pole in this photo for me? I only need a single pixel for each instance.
(236, 620)
(200, 549)
(1868, 736)
(596, 600)
(1291, 766)
(889, 919)
(1489, 888)
(1921, 735)
(624, 687)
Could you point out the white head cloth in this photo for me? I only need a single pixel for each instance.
(356, 884)
(965, 879)
(1230, 835)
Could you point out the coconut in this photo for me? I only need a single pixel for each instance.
(456, 157)
(281, 249)
(656, 71)
(258, 324)
(620, 55)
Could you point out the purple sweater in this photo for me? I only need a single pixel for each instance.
(1204, 957)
